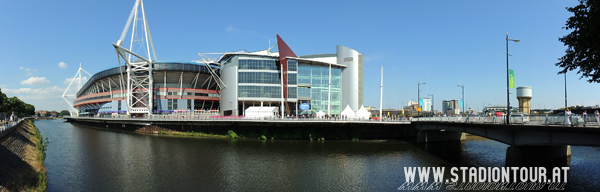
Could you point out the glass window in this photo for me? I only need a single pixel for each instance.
(259, 91)
(318, 78)
(257, 64)
(259, 77)
(292, 65)
(292, 78)
(292, 92)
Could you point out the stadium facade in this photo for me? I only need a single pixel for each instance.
(224, 85)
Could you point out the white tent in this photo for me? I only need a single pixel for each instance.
(362, 113)
(261, 112)
(348, 113)
(320, 114)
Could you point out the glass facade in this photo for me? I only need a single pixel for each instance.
(292, 65)
(259, 77)
(259, 91)
(257, 64)
(318, 78)
(292, 92)
(292, 78)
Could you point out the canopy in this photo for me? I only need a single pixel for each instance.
(362, 113)
(260, 112)
(320, 114)
(348, 112)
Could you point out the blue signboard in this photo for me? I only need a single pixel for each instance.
(304, 106)
(420, 102)
(461, 102)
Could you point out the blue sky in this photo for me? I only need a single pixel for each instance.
(442, 43)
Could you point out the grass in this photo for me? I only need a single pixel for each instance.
(230, 134)
(41, 182)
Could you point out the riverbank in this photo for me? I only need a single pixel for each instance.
(22, 154)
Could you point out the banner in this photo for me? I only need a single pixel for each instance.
(420, 102)
(304, 106)
(461, 102)
(511, 78)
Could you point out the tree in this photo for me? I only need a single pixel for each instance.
(583, 49)
(3, 102)
(64, 113)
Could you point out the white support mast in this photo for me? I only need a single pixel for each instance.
(381, 96)
(139, 92)
(329, 92)
(72, 110)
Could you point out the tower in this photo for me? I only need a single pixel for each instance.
(524, 95)
(138, 61)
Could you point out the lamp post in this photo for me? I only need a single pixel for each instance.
(419, 97)
(507, 81)
(463, 96)
(432, 102)
(565, 88)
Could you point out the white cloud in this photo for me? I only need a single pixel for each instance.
(68, 80)
(230, 29)
(48, 98)
(29, 72)
(2, 86)
(39, 93)
(62, 65)
(36, 81)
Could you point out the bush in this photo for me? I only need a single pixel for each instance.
(232, 134)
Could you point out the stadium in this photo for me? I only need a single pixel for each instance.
(225, 85)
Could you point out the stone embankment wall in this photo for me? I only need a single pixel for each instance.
(22, 159)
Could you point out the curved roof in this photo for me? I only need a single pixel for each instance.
(184, 66)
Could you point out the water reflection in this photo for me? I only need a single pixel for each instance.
(85, 159)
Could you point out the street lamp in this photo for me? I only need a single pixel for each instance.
(432, 102)
(463, 96)
(419, 97)
(565, 87)
(507, 80)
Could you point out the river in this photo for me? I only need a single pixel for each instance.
(80, 158)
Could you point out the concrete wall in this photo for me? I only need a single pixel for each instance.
(229, 95)
(352, 79)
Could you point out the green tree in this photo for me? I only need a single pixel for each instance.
(48, 114)
(64, 113)
(583, 50)
(3, 102)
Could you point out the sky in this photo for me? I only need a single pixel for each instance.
(441, 43)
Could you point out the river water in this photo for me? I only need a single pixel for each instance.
(80, 158)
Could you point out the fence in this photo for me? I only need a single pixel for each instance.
(8, 127)
(575, 120)
(229, 118)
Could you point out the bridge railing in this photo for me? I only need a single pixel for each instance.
(530, 120)
(242, 118)
(491, 120)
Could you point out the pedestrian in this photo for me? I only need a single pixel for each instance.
(584, 117)
(597, 117)
(567, 117)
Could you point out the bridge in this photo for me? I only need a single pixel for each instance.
(546, 141)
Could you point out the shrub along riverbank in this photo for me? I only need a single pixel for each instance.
(249, 135)
(22, 155)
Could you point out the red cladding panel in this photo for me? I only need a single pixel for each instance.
(284, 51)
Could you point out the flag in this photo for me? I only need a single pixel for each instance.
(511, 77)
